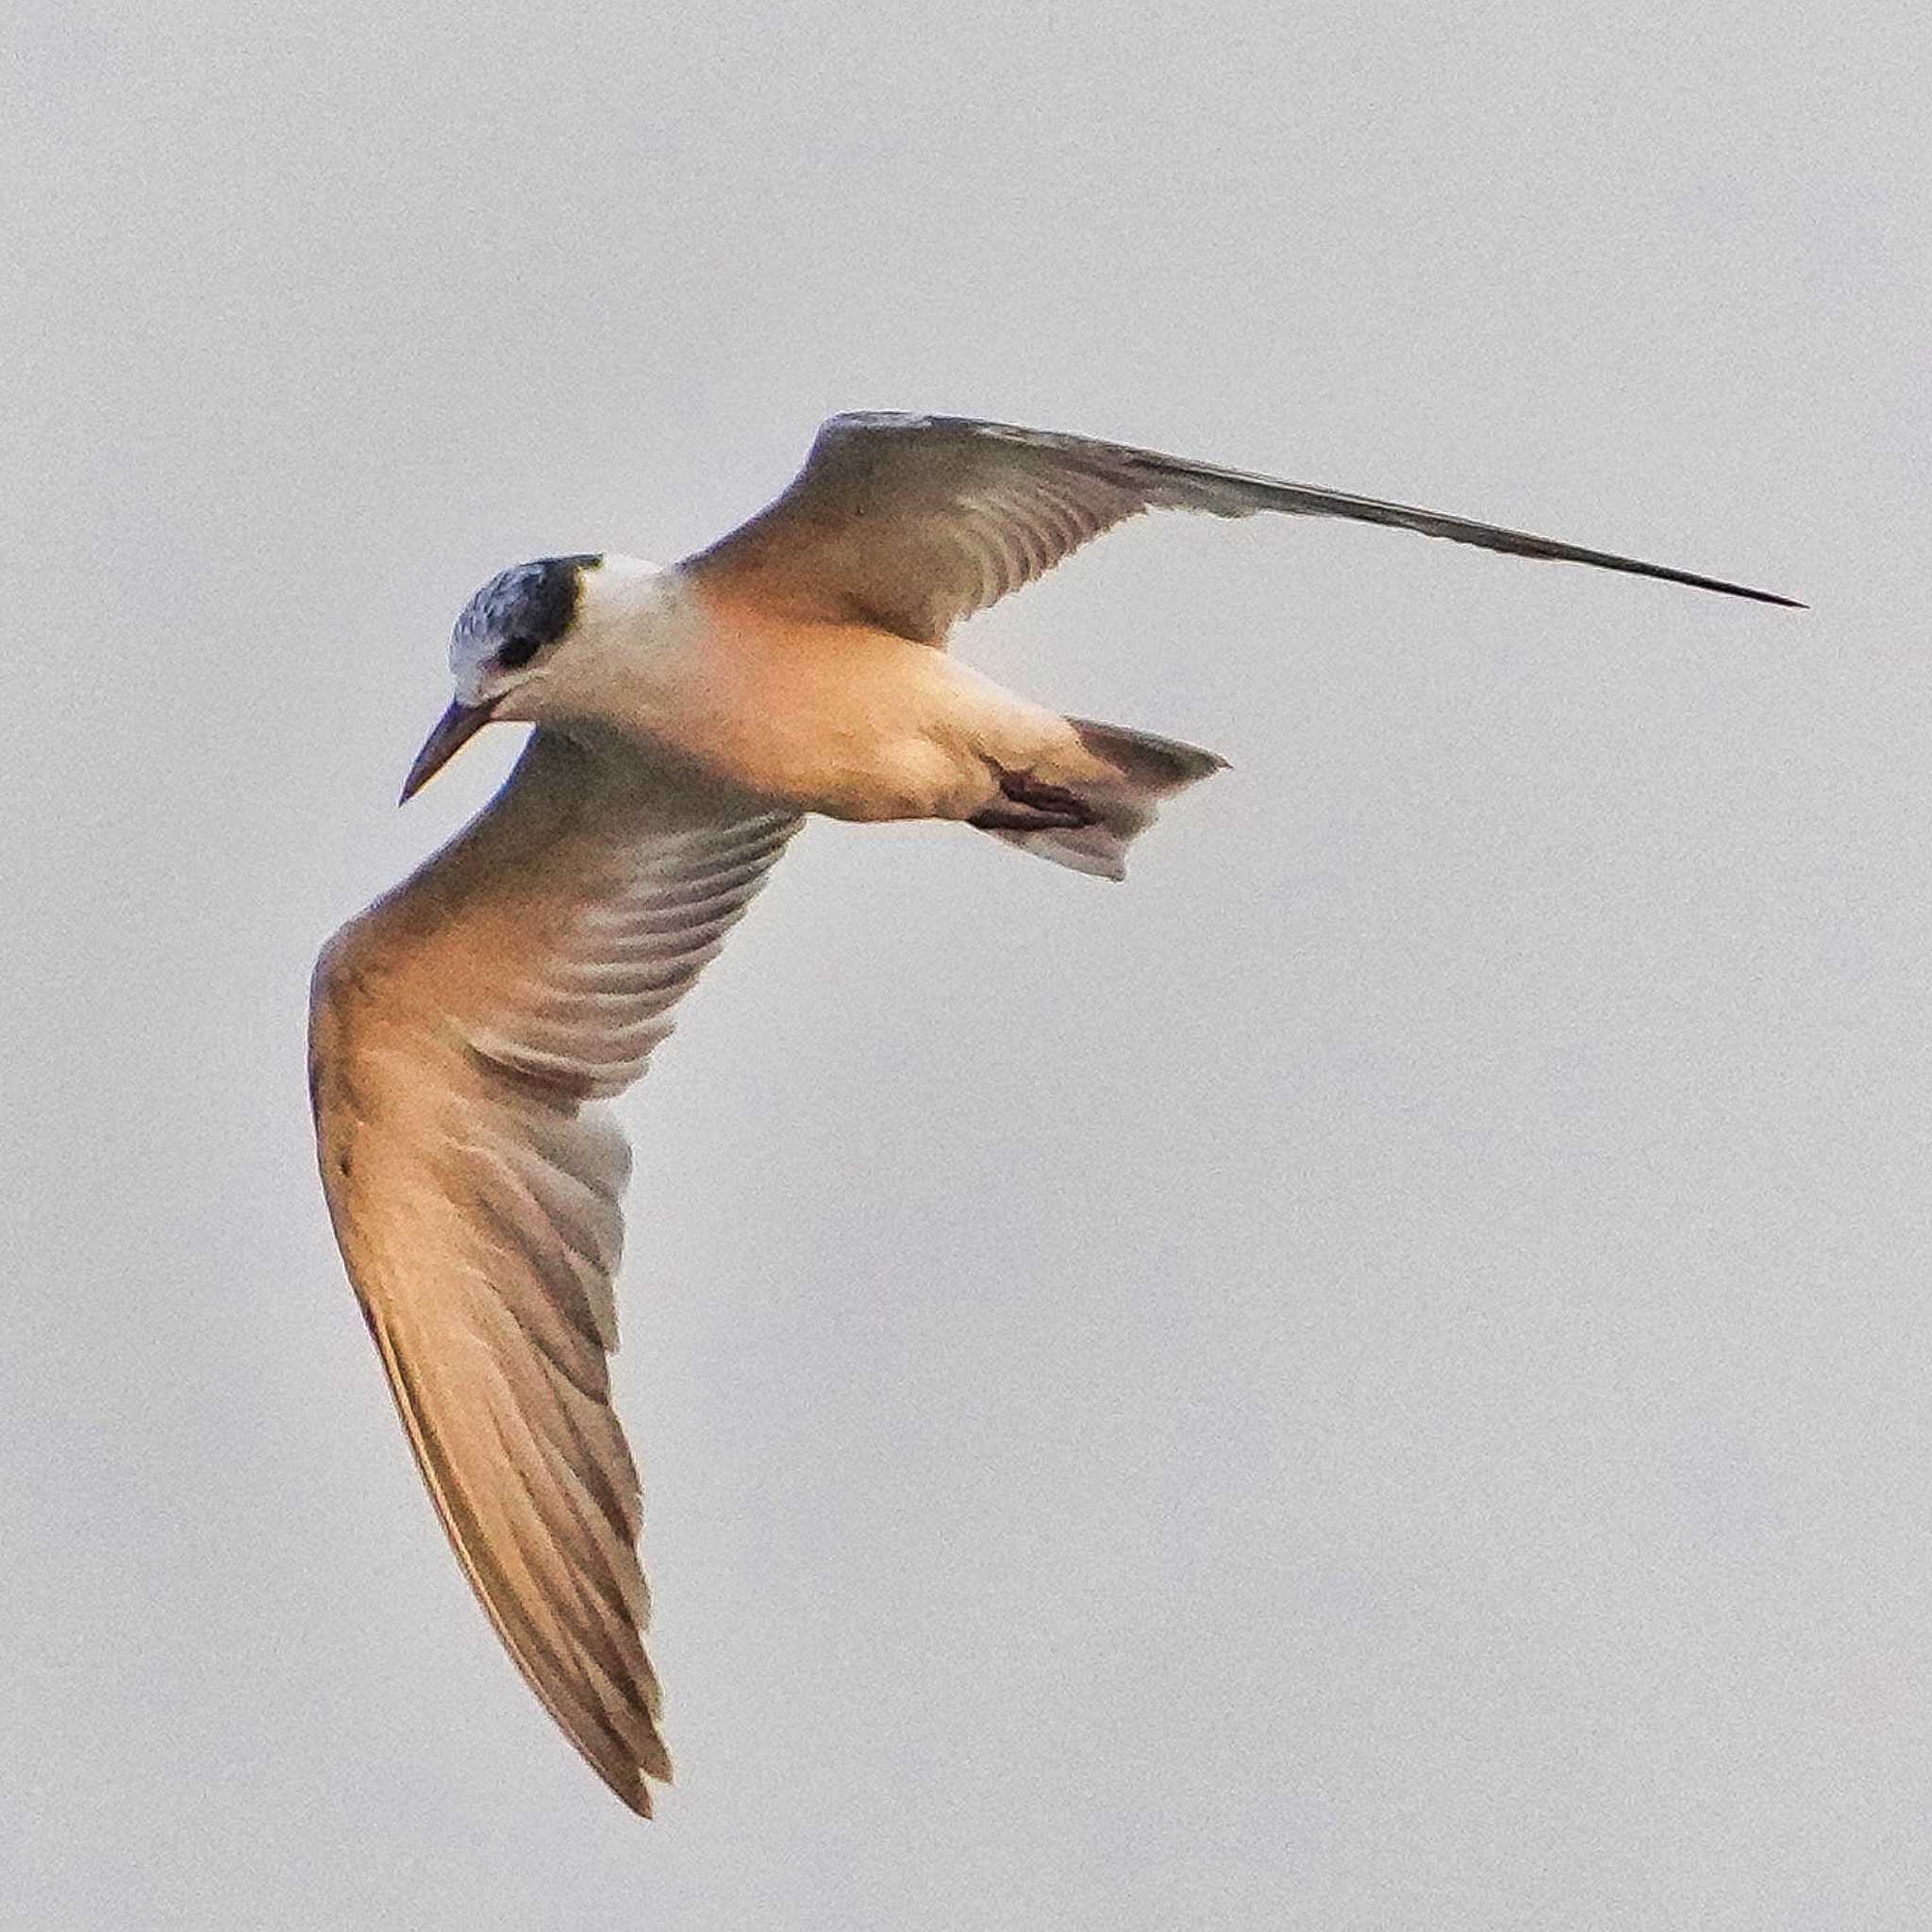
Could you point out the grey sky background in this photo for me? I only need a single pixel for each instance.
(1378, 1376)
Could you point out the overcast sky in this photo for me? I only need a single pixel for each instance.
(1377, 1375)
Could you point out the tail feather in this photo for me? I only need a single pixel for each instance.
(1136, 770)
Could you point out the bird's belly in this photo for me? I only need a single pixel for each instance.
(842, 720)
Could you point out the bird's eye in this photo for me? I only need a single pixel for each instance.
(517, 652)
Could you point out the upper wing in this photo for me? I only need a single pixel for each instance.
(462, 1032)
(915, 521)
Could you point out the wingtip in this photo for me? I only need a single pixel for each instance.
(634, 1788)
(634, 1793)
(1725, 587)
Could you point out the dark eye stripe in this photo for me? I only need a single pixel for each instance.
(516, 652)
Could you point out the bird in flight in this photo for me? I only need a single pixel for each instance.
(468, 1030)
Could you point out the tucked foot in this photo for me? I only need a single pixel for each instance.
(1033, 805)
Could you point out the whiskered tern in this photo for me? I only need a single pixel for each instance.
(468, 1029)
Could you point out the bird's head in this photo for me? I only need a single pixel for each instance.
(516, 650)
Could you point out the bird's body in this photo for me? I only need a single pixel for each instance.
(842, 718)
(468, 1030)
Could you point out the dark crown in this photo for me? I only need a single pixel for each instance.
(523, 609)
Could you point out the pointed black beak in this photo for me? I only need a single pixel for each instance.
(454, 730)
